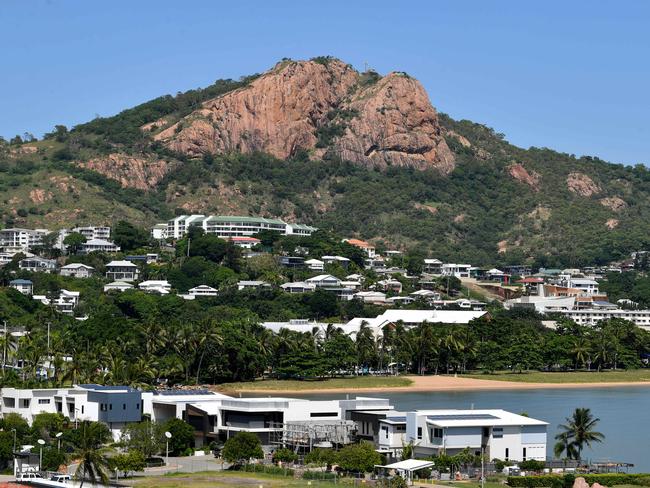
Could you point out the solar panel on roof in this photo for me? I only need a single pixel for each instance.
(468, 416)
(181, 392)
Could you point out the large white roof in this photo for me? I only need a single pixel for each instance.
(121, 263)
(410, 465)
(476, 418)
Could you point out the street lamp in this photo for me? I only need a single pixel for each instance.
(168, 435)
(40, 459)
(58, 438)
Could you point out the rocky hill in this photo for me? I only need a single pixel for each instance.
(319, 142)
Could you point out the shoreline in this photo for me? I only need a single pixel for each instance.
(422, 384)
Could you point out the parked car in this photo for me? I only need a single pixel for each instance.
(61, 478)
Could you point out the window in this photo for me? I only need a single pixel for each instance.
(419, 432)
(43, 401)
(102, 407)
(10, 402)
(437, 433)
(524, 456)
(385, 431)
(323, 414)
(110, 407)
(24, 403)
(82, 409)
(497, 432)
(507, 453)
(124, 406)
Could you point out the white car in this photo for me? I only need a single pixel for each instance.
(61, 478)
(28, 476)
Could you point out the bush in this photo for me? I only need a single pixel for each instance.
(284, 455)
(264, 468)
(318, 475)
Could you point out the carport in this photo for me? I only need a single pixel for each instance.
(406, 468)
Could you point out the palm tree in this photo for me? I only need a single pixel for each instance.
(580, 351)
(577, 433)
(93, 462)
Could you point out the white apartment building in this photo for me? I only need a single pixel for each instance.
(324, 281)
(122, 271)
(501, 434)
(585, 285)
(65, 303)
(77, 270)
(225, 226)
(99, 245)
(592, 316)
(94, 232)
(17, 239)
(457, 270)
(37, 264)
(114, 405)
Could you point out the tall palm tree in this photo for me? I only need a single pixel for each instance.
(578, 432)
(93, 462)
(580, 351)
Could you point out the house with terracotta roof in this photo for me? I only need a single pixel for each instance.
(368, 248)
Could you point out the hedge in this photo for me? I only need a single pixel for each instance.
(566, 481)
(264, 468)
(319, 475)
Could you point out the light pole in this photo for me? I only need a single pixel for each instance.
(40, 458)
(58, 438)
(168, 435)
(14, 451)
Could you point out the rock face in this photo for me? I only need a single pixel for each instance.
(130, 171)
(519, 173)
(614, 203)
(581, 184)
(318, 106)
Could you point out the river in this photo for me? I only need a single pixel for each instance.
(624, 413)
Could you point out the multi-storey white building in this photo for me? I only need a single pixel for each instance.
(592, 316)
(23, 286)
(225, 226)
(77, 270)
(585, 285)
(94, 232)
(500, 434)
(457, 270)
(99, 245)
(122, 271)
(113, 405)
(16, 239)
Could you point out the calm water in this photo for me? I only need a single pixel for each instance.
(624, 414)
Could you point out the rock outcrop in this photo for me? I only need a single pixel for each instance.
(318, 107)
(130, 171)
(581, 184)
(519, 173)
(616, 204)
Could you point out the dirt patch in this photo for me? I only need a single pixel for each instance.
(459, 218)
(38, 196)
(614, 203)
(521, 174)
(502, 246)
(581, 184)
(428, 208)
(612, 223)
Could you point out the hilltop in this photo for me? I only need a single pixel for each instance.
(319, 142)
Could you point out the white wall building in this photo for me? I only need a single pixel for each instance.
(457, 270)
(37, 264)
(161, 287)
(592, 316)
(503, 435)
(203, 291)
(18, 239)
(225, 226)
(315, 264)
(122, 271)
(65, 303)
(77, 270)
(99, 245)
(26, 287)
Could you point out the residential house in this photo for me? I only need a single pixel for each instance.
(292, 261)
(37, 264)
(99, 245)
(203, 291)
(368, 248)
(122, 271)
(159, 232)
(26, 287)
(298, 287)
(340, 260)
(324, 281)
(371, 297)
(457, 270)
(244, 242)
(65, 303)
(432, 266)
(315, 264)
(77, 270)
(390, 285)
(118, 286)
(255, 284)
(161, 287)
(149, 258)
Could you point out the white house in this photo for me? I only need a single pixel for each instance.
(245, 242)
(65, 303)
(370, 296)
(122, 271)
(118, 286)
(390, 285)
(366, 247)
(340, 260)
(99, 245)
(501, 434)
(298, 287)
(457, 270)
(113, 405)
(585, 285)
(315, 264)
(162, 287)
(77, 270)
(159, 232)
(324, 281)
(243, 284)
(26, 287)
(591, 316)
(94, 231)
(432, 266)
(203, 291)
(37, 264)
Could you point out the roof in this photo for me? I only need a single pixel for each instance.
(235, 219)
(530, 280)
(476, 418)
(243, 239)
(359, 243)
(76, 266)
(122, 263)
(314, 261)
(119, 284)
(409, 465)
(20, 282)
(322, 277)
(583, 281)
(99, 242)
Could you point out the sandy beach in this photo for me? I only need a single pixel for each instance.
(449, 383)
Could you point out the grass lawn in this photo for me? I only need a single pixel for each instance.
(342, 383)
(635, 375)
(226, 479)
(469, 484)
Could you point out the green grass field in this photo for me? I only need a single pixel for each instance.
(636, 375)
(227, 479)
(338, 383)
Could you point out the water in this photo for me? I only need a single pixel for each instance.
(624, 414)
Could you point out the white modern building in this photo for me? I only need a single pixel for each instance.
(592, 316)
(118, 286)
(298, 287)
(585, 285)
(315, 264)
(203, 291)
(502, 435)
(77, 270)
(113, 405)
(65, 303)
(94, 232)
(226, 226)
(161, 287)
(122, 271)
(17, 239)
(432, 266)
(159, 232)
(324, 281)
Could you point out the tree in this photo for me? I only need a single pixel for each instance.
(321, 457)
(73, 242)
(14, 421)
(128, 236)
(146, 437)
(242, 447)
(284, 455)
(47, 424)
(90, 453)
(129, 462)
(182, 435)
(359, 458)
(577, 433)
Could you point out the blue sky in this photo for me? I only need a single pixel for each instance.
(573, 76)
